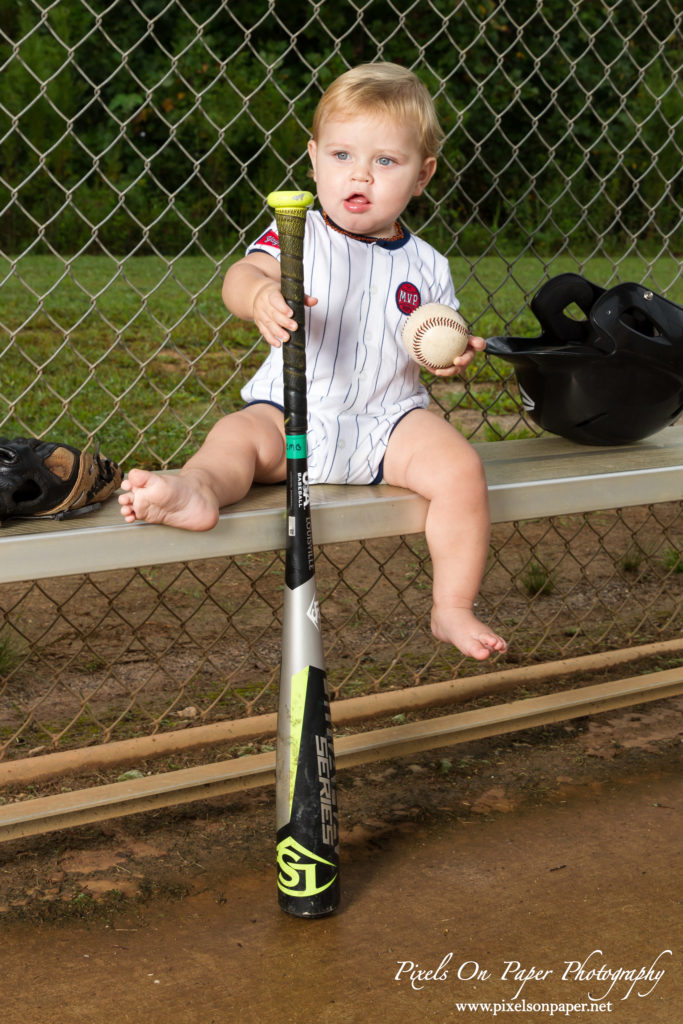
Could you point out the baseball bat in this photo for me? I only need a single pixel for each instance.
(305, 790)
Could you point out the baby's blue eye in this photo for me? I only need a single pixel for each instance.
(385, 161)
(342, 155)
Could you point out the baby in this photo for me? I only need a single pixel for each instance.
(374, 143)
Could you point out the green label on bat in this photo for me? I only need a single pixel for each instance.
(300, 872)
(296, 446)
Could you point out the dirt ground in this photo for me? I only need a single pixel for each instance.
(536, 875)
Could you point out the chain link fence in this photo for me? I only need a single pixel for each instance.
(139, 140)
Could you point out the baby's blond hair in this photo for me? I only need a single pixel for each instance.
(387, 90)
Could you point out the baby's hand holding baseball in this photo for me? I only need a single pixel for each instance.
(474, 345)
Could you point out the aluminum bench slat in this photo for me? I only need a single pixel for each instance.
(527, 479)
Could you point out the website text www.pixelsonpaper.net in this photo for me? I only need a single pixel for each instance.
(523, 1006)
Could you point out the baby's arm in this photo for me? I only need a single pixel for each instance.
(251, 290)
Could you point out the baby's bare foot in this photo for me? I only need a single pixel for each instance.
(461, 627)
(173, 499)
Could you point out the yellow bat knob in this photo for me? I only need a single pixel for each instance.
(290, 200)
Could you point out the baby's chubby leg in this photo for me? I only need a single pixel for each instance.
(427, 455)
(245, 447)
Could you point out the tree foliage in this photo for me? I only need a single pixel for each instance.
(162, 126)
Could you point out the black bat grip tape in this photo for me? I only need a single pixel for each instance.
(291, 226)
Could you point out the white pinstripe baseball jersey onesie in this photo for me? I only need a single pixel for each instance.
(361, 381)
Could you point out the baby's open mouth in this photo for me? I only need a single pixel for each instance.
(356, 201)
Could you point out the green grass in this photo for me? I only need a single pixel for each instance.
(673, 560)
(141, 355)
(137, 355)
(9, 655)
(494, 294)
(537, 580)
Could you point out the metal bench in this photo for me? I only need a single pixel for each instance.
(527, 479)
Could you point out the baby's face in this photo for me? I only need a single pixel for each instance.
(367, 169)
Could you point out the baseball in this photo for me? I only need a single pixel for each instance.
(434, 335)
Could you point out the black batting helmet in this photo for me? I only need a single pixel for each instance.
(611, 378)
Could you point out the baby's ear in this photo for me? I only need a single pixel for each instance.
(312, 152)
(425, 175)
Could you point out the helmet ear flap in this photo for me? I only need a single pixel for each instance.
(633, 320)
(556, 295)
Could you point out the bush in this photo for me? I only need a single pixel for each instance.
(150, 130)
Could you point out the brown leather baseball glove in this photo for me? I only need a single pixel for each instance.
(43, 478)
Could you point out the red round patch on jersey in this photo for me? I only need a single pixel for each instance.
(407, 297)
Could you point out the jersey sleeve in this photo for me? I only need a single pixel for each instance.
(444, 284)
(267, 242)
